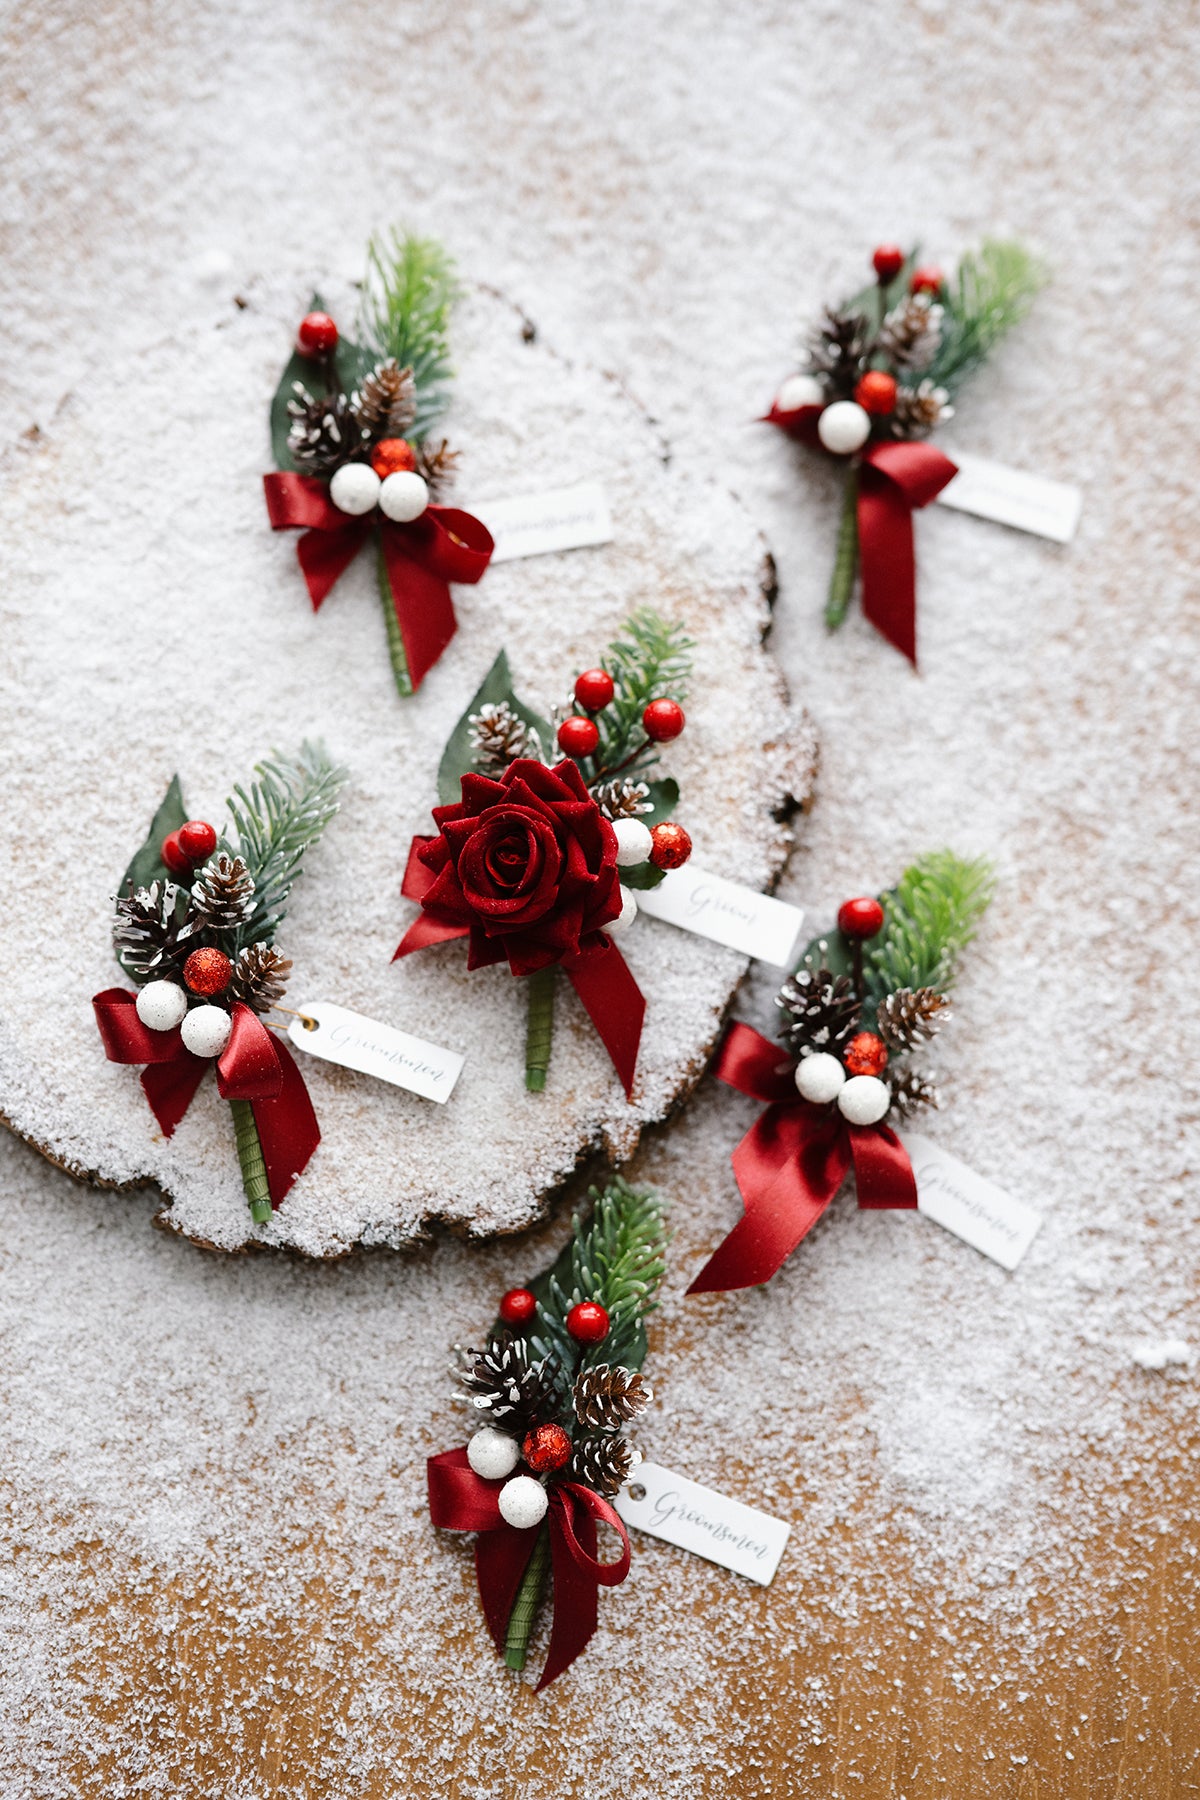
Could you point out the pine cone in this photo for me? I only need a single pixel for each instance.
(918, 410)
(502, 1383)
(911, 1091)
(324, 433)
(386, 403)
(906, 1019)
(604, 1463)
(497, 736)
(835, 350)
(151, 930)
(259, 977)
(606, 1397)
(621, 799)
(911, 335)
(437, 464)
(822, 1011)
(223, 893)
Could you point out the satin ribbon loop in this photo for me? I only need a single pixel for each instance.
(895, 478)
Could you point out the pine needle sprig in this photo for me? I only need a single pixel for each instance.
(930, 916)
(275, 822)
(408, 294)
(618, 1258)
(993, 290)
(652, 661)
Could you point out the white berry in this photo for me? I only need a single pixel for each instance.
(522, 1502)
(844, 427)
(161, 1005)
(634, 842)
(404, 496)
(355, 488)
(864, 1100)
(493, 1454)
(820, 1078)
(798, 391)
(629, 912)
(206, 1030)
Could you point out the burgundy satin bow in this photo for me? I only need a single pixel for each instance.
(254, 1065)
(791, 1163)
(460, 1500)
(422, 558)
(599, 974)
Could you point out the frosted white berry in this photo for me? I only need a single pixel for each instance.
(844, 427)
(634, 842)
(820, 1078)
(206, 1030)
(522, 1502)
(403, 496)
(161, 1005)
(629, 912)
(355, 488)
(798, 391)
(493, 1454)
(864, 1100)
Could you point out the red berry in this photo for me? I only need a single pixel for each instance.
(175, 856)
(208, 971)
(577, 736)
(197, 840)
(391, 456)
(888, 261)
(670, 846)
(588, 1322)
(663, 720)
(860, 918)
(865, 1054)
(546, 1447)
(926, 281)
(518, 1306)
(594, 689)
(317, 336)
(876, 392)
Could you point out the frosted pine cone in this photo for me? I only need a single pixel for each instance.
(223, 893)
(604, 1463)
(911, 1091)
(386, 403)
(436, 464)
(606, 1397)
(497, 736)
(150, 931)
(907, 1018)
(911, 335)
(919, 409)
(621, 799)
(835, 350)
(822, 1011)
(259, 978)
(503, 1385)
(324, 433)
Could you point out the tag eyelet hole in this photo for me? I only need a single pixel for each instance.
(636, 1491)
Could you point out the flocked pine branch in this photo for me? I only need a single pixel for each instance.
(992, 291)
(275, 822)
(618, 1258)
(408, 295)
(651, 661)
(931, 915)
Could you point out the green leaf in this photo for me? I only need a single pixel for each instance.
(457, 760)
(829, 951)
(352, 363)
(662, 798)
(643, 877)
(876, 304)
(148, 865)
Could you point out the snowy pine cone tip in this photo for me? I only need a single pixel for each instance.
(606, 1397)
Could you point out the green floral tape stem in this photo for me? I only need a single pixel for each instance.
(395, 641)
(845, 563)
(250, 1157)
(520, 1623)
(539, 1031)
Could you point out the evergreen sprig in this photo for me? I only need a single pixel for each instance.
(282, 816)
(651, 661)
(408, 294)
(617, 1258)
(993, 290)
(931, 915)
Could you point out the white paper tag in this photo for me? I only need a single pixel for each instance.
(973, 1208)
(532, 524)
(1034, 503)
(725, 911)
(723, 1531)
(374, 1049)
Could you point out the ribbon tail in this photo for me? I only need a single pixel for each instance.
(887, 561)
(501, 1559)
(170, 1087)
(287, 1127)
(324, 557)
(882, 1171)
(576, 1596)
(424, 609)
(614, 1003)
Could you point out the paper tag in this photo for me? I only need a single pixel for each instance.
(563, 519)
(374, 1049)
(1034, 503)
(723, 1531)
(973, 1208)
(725, 911)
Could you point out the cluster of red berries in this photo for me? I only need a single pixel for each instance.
(865, 1054)
(185, 849)
(876, 391)
(587, 1321)
(579, 736)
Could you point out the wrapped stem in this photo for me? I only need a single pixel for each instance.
(845, 562)
(539, 1031)
(250, 1158)
(520, 1623)
(395, 641)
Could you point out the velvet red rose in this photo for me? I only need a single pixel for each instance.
(528, 864)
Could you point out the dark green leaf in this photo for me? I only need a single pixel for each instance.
(644, 876)
(829, 951)
(148, 865)
(352, 363)
(457, 761)
(663, 797)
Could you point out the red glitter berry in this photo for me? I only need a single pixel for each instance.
(208, 971)
(546, 1447)
(926, 281)
(865, 1054)
(670, 846)
(594, 689)
(888, 261)
(876, 392)
(175, 856)
(588, 1322)
(578, 736)
(663, 720)
(197, 840)
(518, 1306)
(860, 918)
(391, 456)
(317, 336)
